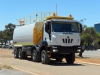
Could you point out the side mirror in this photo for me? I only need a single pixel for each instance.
(81, 28)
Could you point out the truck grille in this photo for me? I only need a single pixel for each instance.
(67, 40)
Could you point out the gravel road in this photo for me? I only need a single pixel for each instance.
(52, 69)
(12, 72)
(92, 54)
(7, 53)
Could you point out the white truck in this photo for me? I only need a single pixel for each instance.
(56, 37)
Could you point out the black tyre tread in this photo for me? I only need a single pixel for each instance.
(70, 58)
(25, 55)
(47, 59)
(16, 53)
(37, 59)
(21, 54)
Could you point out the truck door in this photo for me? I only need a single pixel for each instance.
(47, 31)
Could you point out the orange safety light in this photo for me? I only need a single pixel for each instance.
(70, 15)
(54, 14)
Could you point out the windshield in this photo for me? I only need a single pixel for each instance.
(65, 27)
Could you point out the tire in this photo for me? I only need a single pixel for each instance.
(25, 55)
(70, 58)
(44, 58)
(35, 56)
(15, 53)
(21, 54)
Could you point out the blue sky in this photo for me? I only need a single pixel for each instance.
(10, 10)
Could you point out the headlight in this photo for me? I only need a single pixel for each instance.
(55, 50)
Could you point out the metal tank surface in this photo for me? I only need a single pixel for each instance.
(24, 34)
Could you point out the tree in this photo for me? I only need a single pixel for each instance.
(90, 35)
(1, 37)
(9, 29)
(4, 36)
(7, 33)
(84, 28)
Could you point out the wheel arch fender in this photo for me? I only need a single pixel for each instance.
(36, 48)
(44, 46)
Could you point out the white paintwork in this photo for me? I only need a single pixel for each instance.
(58, 36)
(64, 20)
(45, 35)
(23, 34)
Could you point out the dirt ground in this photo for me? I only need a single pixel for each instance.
(91, 60)
(7, 53)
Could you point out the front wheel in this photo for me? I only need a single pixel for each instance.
(70, 58)
(44, 58)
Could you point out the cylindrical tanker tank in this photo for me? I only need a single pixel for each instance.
(28, 34)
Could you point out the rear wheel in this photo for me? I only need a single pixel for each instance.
(15, 53)
(44, 58)
(70, 58)
(35, 56)
(25, 55)
(21, 54)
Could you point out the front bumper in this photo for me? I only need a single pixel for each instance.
(63, 50)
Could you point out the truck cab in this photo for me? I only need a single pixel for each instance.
(62, 32)
(61, 36)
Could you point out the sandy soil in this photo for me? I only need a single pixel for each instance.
(7, 53)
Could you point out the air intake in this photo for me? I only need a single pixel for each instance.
(67, 40)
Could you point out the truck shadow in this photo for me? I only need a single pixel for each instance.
(54, 63)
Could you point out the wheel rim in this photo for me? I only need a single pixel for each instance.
(43, 57)
(19, 54)
(15, 52)
(34, 55)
